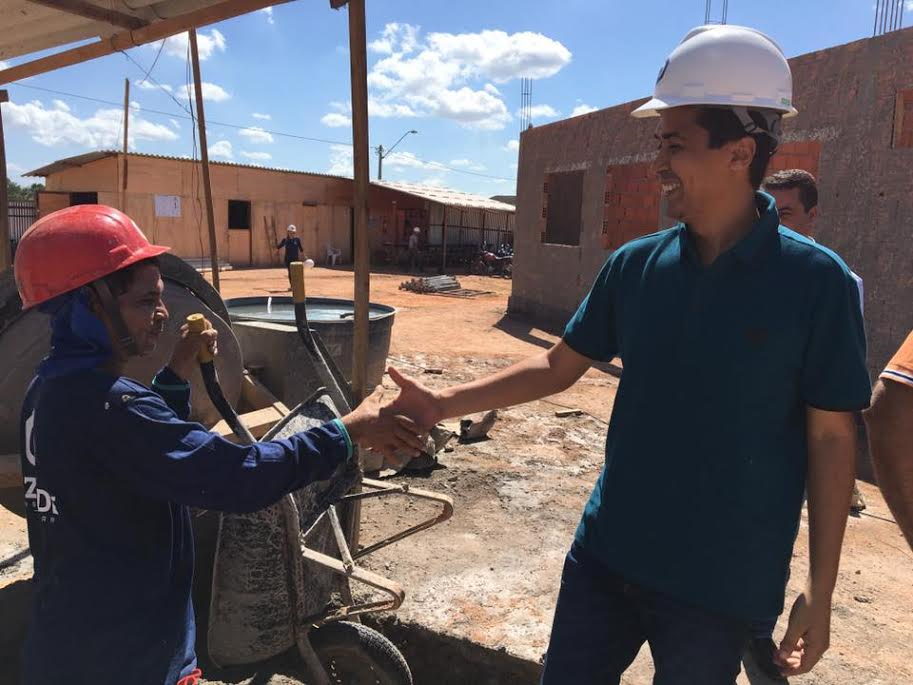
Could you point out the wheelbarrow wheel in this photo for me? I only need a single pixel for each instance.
(354, 654)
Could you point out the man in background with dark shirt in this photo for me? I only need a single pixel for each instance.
(292, 245)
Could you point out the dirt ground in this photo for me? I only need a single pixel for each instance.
(490, 575)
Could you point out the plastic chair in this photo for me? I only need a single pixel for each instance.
(332, 254)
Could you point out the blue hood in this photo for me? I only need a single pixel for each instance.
(79, 340)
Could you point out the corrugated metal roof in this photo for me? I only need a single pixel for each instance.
(447, 196)
(87, 158)
(444, 196)
(30, 26)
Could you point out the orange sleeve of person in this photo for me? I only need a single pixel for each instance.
(900, 368)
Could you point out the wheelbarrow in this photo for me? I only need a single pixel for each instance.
(282, 576)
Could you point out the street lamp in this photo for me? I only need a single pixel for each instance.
(382, 153)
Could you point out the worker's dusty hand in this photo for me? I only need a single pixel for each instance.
(416, 401)
(184, 357)
(807, 635)
(377, 427)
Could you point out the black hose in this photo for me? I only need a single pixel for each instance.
(214, 390)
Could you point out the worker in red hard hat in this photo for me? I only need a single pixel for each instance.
(111, 467)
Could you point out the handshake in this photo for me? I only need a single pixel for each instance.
(398, 428)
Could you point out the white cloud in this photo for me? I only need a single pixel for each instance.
(436, 181)
(257, 156)
(60, 106)
(221, 149)
(448, 75)
(909, 6)
(149, 85)
(395, 37)
(340, 160)
(336, 120)
(543, 112)
(264, 117)
(405, 160)
(58, 126)
(512, 145)
(4, 65)
(207, 45)
(175, 123)
(503, 56)
(583, 109)
(468, 164)
(389, 109)
(256, 134)
(268, 11)
(211, 92)
(342, 112)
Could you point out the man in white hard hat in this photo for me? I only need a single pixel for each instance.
(292, 244)
(744, 360)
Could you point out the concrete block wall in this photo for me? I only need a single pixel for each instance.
(854, 132)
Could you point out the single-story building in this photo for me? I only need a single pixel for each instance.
(585, 185)
(253, 206)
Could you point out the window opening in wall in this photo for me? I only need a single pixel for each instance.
(83, 199)
(903, 119)
(562, 207)
(239, 214)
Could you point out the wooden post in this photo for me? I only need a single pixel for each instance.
(204, 157)
(5, 258)
(123, 185)
(359, 77)
(444, 241)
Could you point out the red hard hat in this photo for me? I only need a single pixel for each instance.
(72, 247)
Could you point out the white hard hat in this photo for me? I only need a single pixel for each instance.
(724, 66)
(292, 229)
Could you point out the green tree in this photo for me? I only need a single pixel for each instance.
(18, 193)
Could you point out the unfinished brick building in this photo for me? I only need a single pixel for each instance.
(585, 186)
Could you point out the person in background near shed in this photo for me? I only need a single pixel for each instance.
(890, 427)
(292, 244)
(796, 193)
(415, 255)
(111, 467)
(735, 396)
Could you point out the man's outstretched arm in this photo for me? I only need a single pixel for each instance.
(538, 376)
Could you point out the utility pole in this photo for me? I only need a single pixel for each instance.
(204, 157)
(359, 77)
(123, 185)
(381, 153)
(5, 258)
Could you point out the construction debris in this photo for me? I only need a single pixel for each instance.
(440, 285)
(434, 284)
(476, 430)
(564, 413)
(436, 372)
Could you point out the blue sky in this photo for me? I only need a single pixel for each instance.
(450, 70)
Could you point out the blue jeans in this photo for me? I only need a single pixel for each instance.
(601, 622)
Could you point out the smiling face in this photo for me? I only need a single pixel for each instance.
(142, 308)
(692, 174)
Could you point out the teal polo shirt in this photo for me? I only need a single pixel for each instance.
(702, 487)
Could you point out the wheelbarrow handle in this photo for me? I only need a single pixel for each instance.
(197, 324)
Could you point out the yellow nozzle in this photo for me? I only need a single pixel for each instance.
(296, 274)
(197, 324)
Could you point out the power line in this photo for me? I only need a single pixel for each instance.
(189, 117)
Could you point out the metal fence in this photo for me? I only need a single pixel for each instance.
(22, 214)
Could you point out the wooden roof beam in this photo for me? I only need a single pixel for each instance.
(125, 40)
(87, 10)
